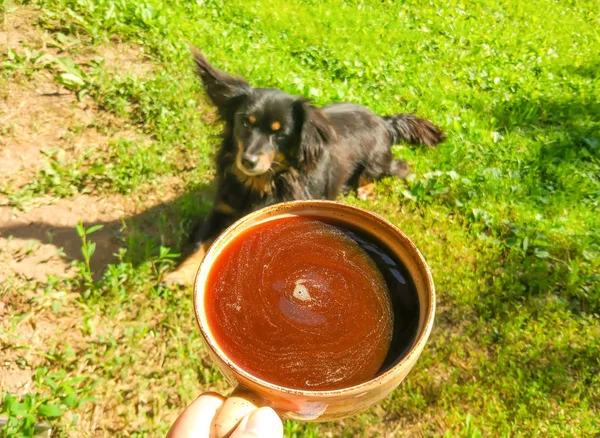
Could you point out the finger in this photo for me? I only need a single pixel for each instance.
(195, 421)
(260, 423)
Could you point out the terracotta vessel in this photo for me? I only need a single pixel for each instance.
(252, 392)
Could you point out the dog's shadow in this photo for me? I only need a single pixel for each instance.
(137, 237)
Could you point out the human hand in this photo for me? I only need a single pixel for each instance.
(196, 420)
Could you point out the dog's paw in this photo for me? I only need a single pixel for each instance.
(177, 279)
(400, 168)
(367, 192)
(185, 274)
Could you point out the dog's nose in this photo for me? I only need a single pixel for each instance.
(249, 161)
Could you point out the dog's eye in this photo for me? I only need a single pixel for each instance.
(248, 121)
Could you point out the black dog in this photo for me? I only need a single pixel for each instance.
(277, 147)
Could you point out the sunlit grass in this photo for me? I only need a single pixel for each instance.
(506, 211)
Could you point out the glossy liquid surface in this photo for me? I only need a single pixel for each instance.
(300, 303)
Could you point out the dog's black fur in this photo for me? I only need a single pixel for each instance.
(277, 147)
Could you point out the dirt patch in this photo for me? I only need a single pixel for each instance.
(43, 240)
(48, 118)
(41, 322)
(38, 115)
(34, 334)
(34, 121)
(127, 59)
(15, 380)
(18, 30)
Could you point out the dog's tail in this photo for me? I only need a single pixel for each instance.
(413, 130)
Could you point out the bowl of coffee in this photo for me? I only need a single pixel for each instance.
(315, 308)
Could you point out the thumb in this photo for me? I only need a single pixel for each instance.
(260, 423)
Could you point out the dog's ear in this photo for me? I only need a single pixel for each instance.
(315, 133)
(221, 87)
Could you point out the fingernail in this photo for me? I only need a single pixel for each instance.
(263, 422)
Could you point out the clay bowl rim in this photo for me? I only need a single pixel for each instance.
(281, 208)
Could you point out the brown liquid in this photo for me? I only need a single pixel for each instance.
(299, 303)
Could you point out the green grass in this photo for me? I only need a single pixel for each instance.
(506, 211)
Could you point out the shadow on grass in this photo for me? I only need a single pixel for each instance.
(535, 315)
(562, 149)
(167, 224)
(529, 280)
(565, 163)
(564, 126)
(526, 343)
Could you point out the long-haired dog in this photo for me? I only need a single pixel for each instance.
(278, 147)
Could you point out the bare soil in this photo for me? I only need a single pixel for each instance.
(38, 116)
